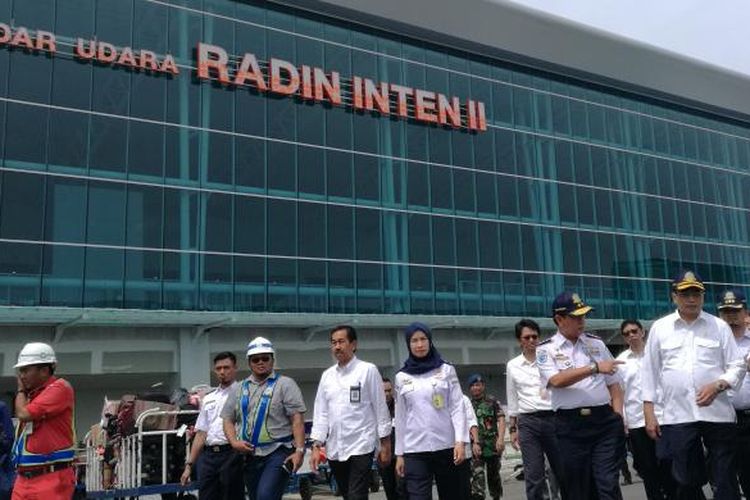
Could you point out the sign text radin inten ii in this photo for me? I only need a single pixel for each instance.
(275, 76)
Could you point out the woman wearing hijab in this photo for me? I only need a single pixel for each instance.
(430, 419)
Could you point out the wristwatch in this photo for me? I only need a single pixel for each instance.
(594, 367)
(300, 450)
(721, 386)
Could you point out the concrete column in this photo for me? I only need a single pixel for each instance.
(194, 360)
(96, 360)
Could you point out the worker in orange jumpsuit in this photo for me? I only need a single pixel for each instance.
(45, 441)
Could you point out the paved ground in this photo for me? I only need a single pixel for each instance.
(513, 490)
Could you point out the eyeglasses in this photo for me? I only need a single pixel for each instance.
(632, 331)
(260, 359)
(530, 337)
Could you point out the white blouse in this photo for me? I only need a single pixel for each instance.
(430, 414)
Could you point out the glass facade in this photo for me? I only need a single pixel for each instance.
(124, 189)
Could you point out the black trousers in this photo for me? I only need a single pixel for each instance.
(220, 474)
(593, 441)
(353, 476)
(463, 476)
(393, 485)
(422, 468)
(536, 435)
(743, 450)
(656, 473)
(684, 443)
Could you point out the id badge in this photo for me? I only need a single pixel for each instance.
(355, 394)
(437, 401)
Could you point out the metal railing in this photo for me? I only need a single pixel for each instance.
(128, 471)
(94, 461)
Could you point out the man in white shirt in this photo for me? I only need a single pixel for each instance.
(532, 422)
(732, 308)
(350, 417)
(656, 473)
(585, 391)
(220, 467)
(691, 359)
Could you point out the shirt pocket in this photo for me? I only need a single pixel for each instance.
(212, 409)
(440, 388)
(276, 405)
(707, 351)
(337, 394)
(671, 352)
(563, 362)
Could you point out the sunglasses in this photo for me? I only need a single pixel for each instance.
(627, 333)
(260, 359)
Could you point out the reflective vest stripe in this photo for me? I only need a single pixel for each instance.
(22, 456)
(259, 435)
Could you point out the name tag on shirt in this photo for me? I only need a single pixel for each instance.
(408, 386)
(355, 394)
(563, 360)
(438, 401)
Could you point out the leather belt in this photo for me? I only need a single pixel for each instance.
(743, 413)
(38, 470)
(585, 411)
(218, 448)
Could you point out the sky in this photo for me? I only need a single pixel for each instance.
(714, 32)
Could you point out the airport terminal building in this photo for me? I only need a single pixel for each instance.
(178, 176)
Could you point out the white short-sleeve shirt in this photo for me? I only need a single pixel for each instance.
(558, 354)
(209, 418)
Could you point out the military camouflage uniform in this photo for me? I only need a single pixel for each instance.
(488, 411)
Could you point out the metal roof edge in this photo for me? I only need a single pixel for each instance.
(541, 41)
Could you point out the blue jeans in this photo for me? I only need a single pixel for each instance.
(265, 477)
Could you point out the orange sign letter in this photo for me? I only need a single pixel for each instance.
(212, 57)
(292, 77)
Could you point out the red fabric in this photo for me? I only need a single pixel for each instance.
(51, 409)
(56, 485)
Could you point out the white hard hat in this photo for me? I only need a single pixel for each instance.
(36, 353)
(259, 345)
